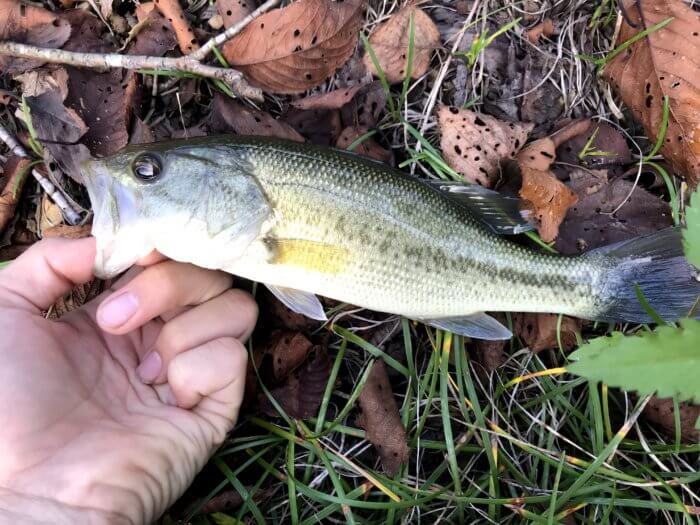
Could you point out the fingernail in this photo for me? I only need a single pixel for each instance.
(118, 309)
(150, 367)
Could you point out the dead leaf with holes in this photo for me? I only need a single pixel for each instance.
(602, 146)
(335, 99)
(233, 11)
(390, 45)
(297, 47)
(29, 24)
(229, 115)
(173, 12)
(474, 145)
(539, 331)
(381, 419)
(287, 350)
(609, 211)
(366, 107)
(664, 63)
(368, 147)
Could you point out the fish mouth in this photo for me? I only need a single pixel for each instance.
(113, 223)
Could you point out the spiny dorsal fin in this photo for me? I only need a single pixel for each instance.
(504, 215)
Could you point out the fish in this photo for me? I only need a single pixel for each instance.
(309, 221)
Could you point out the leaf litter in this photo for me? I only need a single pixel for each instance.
(581, 180)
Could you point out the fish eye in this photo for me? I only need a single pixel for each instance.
(146, 167)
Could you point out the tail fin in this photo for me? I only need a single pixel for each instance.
(656, 263)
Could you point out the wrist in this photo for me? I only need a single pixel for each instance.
(22, 508)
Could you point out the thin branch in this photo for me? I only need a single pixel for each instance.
(232, 31)
(185, 64)
(71, 216)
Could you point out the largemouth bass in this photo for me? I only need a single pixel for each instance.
(307, 220)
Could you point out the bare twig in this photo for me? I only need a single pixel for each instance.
(186, 64)
(71, 216)
(232, 31)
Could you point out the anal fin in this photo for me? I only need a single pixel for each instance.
(304, 303)
(477, 326)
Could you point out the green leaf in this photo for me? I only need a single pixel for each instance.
(665, 362)
(691, 234)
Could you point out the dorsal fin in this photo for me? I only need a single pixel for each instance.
(504, 215)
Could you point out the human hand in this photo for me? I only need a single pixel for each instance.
(109, 413)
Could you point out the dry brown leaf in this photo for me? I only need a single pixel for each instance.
(539, 331)
(233, 11)
(16, 170)
(297, 47)
(232, 116)
(5, 97)
(381, 420)
(368, 147)
(61, 128)
(77, 297)
(332, 100)
(365, 108)
(29, 24)
(591, 222)
(474, 145)
(173, 12)
(152, 36)
(489, 354)
(319, 126)
(301, 395)
(607, 148)
(141, 133)
(544, 28)
(664, 63)
(390, 44)
(86, 33)
(550, 199)
(44, 79)
(288, 350)
(660, 411)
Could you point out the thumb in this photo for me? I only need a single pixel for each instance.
(47, 271)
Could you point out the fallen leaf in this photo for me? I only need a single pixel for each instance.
(173, 12)
(474, 145)
(320, 126)
(287, 350)
(152, 36)
(233, 11)
(368, 147)
(50, 215)
(86, 33)
(226, 501)
(297, 47)
(489, 354)
(539, 331)
(381, 420)
(664, 63)
(300, 397)
(462, 7)
(365, 108)
(332, 100)
(232, 116)
(542, 102)
(16, 170)
(544, 28)
(591, 223)
(660, 411)
(41, 80)
(29, 24)
(390, 44)
(59, 128)
(550, 199)
(6, 97)
(608, 148)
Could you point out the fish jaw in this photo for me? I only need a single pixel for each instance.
(120, 237)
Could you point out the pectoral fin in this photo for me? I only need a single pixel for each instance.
(478, 326)
(504, 215)
(300, 302)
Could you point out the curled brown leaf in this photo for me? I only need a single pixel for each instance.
(297, 47)
(539, 331)
(368, 147)
(16, 169)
